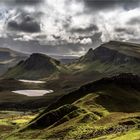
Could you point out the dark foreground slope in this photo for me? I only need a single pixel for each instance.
(108, 109)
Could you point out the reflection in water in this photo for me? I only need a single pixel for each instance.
(32, 81)
(33, 92)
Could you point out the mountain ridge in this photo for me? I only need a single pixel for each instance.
(110, 50)
(9, 58)
(95, 64)
(124, 47)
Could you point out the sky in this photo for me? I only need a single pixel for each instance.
(70, 26)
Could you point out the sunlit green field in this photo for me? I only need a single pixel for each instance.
(12, 120)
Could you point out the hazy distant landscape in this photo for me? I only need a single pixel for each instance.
(69, 70)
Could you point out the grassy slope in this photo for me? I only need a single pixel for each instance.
(127, 48)
(109, 112)
(11, 120)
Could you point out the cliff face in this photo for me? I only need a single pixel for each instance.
(113, 52)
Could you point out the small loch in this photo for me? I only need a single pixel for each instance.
(33, 93)
(32, 81)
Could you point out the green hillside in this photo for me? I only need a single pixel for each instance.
(105, 109)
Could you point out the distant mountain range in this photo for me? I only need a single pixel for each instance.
(9, 58)
(108, 59)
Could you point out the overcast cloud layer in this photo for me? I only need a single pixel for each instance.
(73, 25)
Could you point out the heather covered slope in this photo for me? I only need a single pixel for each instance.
(108, 108)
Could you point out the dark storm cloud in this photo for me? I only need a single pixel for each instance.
(107, 4)
(56, 36)
(21, 2)
(25, 23)
(68, 26)
(120, 30)
(85, 30)
(28, 1)
(134, 21)
(125, 30)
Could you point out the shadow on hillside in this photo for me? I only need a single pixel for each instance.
(113, 104)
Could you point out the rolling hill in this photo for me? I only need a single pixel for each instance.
(35, 67)
(105, 109)
(9, 58)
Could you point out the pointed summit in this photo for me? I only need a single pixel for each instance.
(36, 66)
(90, 52)
(89, 56)
(40, 61)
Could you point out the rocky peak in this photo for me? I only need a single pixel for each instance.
(40, 61)
(89, 56)
(90, 52)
